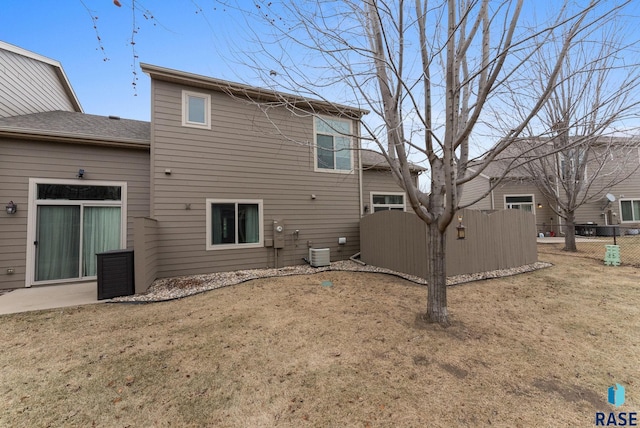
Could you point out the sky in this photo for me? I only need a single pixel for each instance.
(181, 36)
(176, 34)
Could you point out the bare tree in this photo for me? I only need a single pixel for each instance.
(432, 75)
(578, 159)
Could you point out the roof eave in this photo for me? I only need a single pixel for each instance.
(42, 135)
(247, 91)
(381, 167)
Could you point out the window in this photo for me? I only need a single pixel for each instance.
(387, 201)
(520, 202)
(570, 169)
(630, 210)
(234, 224)
(196, 110)
(333, 145)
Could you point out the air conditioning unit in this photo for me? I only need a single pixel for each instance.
(319, 257)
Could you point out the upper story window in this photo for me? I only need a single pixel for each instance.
(333, 145)
(196, 110)
(387, 201)
(630, 210)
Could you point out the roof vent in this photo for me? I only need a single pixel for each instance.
(114, 117)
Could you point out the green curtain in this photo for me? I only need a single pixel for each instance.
(58, 242)
(248, 224)
(101, 233)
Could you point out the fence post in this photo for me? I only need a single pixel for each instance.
(615, 228)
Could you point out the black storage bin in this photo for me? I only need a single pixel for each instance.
(606, 231)
(115, 274)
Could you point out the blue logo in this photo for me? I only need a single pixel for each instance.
(616, 395)
(619, 419)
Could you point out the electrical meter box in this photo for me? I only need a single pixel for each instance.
(278, 234)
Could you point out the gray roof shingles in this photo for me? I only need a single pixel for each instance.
(372, 159)
(79, 125)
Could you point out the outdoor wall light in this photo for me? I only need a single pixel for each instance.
(460, 228)
(11, 208)
(81, 173)
(539, 205)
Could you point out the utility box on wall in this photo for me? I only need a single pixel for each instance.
(278, 234)
(115, 274)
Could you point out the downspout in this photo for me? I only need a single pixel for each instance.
(558, 207)
(355, 258)
(360, 176)
(152, 154)
(493, 203)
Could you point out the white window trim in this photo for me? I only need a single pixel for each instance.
(33, 213)
(185, 110)
(315, 146)
(516, 195)
(404, 200)
(561, 160)
(209, 244)
(620, 209)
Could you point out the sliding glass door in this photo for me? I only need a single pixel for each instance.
(72, 224)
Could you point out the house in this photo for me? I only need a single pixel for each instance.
(239, 181)
(224, 177)
(614, 197)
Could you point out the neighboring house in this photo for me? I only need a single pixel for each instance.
(227, 186)
(516, 190)
(45, 141)
(78, 181)
(31, 83)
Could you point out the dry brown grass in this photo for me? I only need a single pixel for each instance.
(538, 349)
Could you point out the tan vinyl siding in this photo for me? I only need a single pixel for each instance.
(379, 181)
(29, 86)
(546, 219)
(595, 209)
(243, 157)
(473, 190)
(22, 159)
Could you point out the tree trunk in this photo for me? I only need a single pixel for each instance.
(570, 232)
(437, 276)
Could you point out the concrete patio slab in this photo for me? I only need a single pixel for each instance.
(49, 297)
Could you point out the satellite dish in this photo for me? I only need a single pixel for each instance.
(610, 197)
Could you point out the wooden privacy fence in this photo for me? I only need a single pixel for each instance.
(500, 240)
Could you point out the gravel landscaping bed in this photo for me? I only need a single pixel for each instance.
(178, 287)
